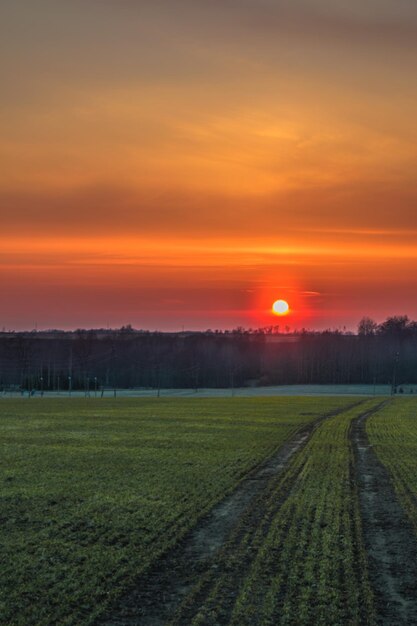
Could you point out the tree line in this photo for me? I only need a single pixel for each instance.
(97, 359)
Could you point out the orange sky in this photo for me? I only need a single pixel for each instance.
(185, 163)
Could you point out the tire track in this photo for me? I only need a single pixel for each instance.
(162, 589)
(388, 534)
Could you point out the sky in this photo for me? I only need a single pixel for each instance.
(184, 163)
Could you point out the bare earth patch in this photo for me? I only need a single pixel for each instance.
(388, 535)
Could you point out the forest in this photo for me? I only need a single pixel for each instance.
(55, 360)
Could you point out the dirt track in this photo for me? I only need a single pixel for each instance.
(388, 535)
(156, 596)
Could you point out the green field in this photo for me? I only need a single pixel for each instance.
(93, 491)
(393, 432)
(98, 498)
(305, 563)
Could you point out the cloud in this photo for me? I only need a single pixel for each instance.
(326, 22)
(378, 22)
(332, 213)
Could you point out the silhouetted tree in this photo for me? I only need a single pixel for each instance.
(367, 327)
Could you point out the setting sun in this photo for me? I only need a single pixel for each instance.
(280, 307)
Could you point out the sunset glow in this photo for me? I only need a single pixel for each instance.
(180, 163)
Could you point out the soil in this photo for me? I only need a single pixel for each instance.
(388, 535)
(156, 596)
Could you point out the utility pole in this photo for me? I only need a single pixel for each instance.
(158, 381)
(196, 378)
(70, 369)
(394, 373)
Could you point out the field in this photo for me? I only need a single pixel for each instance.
(307, 551)
(393, 431)
(240, 511)
(93, 492)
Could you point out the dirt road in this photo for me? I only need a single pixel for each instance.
(156, 596)
(389, 538)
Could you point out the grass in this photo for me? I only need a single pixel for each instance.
(298, 556)
(393, 433)
(93, 491)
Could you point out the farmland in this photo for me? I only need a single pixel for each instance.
(93, 492)
(393, 431)
(238, 511)
(305, 548)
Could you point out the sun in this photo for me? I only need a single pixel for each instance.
(280, 307)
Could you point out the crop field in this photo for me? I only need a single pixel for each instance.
(393, 432)
(92, 492)
(208, 511)
(304, 557)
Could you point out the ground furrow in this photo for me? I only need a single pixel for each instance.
(388, 534)
(158, 594)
